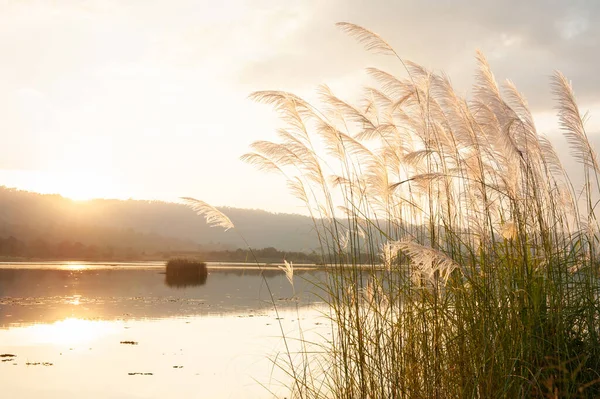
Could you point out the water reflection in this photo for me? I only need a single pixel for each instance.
(47, 295)
(219, 333)
(185, 280)
(75, 266)
(183, 276)
(225, 357)
(67, 332)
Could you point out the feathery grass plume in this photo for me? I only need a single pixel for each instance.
(340, 144)
(289, 105)
(478, 190)
(389, 253)
(572, 122)
(214, 217)
(261, 162)
(296, 145)
(509, 230)
(279, 154)
(371, 40)
(397, 90)
(342, 110)
(428, 261)
(288, 268)
(519, 106)
(379, 98)
(344, 240)
(369, 292)
(382, 131)
(298, 190)
(551, 159)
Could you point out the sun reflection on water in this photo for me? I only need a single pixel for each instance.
(69, 331)
(75, 266)
(74, 300)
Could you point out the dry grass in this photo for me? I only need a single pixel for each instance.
(489, 285)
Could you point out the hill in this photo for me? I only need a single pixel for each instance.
(141, 226)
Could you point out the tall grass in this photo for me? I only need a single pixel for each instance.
(463, 262)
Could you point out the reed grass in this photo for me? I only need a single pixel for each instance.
(185, 272)
(178, 266)
(463, 261)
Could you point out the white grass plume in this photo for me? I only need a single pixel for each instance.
(572, 123)
(509, 230)
(344, 240)
(298, 190)
(372, 41)
(214, 217)
(551, 159)
(391, 86)
(288, 268)
(468, 173)
(389, 253)
(428, 261)
(261, 162)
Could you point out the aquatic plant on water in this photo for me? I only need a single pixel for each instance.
(184, 272)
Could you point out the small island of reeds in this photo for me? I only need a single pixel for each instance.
(184, 272)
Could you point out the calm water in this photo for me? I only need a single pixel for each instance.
(81, 330)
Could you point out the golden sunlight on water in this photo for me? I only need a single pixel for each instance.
(208, 357)
(74, 300)
(70, 331)
(81, 330)
(75, 266)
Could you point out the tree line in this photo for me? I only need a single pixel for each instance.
(16, 249)
(262, 255)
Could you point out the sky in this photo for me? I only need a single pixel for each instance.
(148, 99)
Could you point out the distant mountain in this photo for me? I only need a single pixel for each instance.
(145, 225)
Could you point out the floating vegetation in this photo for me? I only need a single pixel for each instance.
(182, 272)
(289, 299)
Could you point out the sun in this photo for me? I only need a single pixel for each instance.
(76, 185)
(81, 186)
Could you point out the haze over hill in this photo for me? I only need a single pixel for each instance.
(144, 225)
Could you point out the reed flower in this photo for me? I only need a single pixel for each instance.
(483, 211)
(214, 217)
(288, 268)
(389, 253)
(427, 261)
(509, 230)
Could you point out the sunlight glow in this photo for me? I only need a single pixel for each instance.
(81, 185)
(74, 300)
(78, 186)
(75, 266)
(69, 331)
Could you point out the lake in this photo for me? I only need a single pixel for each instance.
(92, 330)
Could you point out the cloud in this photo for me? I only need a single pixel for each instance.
(524, 41)
(114, 86)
